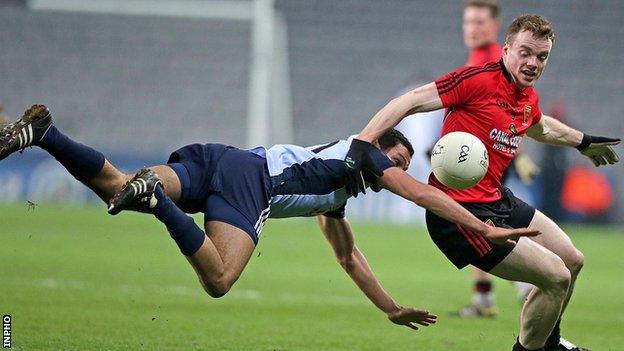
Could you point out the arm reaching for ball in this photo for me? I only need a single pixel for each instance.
(436, 201)
(421, 99)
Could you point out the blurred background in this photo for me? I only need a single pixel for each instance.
(137, 79)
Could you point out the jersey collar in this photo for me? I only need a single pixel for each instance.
(507, 76)
(505, 71)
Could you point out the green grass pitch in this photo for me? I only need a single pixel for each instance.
(78, 279)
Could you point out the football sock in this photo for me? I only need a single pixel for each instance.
(181, 227)
(81, 161)
(519, 347)
(555, 336)
(483, 296)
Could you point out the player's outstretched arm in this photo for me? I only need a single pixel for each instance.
(436, 201)
(422, 99)
(598, 149)
(338, 233)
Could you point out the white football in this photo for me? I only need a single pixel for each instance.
(459, 160)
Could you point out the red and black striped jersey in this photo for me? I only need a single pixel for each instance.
(485, 102)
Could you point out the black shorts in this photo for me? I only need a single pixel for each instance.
(225, 183)
(463, 247)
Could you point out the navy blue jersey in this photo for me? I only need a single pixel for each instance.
(308, 181)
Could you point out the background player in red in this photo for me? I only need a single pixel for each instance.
(498, 104)
(481, 26)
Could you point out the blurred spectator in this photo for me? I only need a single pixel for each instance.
(480, 25)
(577, 192)
(587, 193)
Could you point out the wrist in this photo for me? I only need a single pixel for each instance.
(485, 230)
(584, 142)
(393, 308)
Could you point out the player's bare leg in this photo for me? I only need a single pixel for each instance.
(222, 257)
(218, 255)
(106, 183)
(556, 240)
(533, 263)
(111, 180)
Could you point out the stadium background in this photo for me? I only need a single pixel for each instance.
(138, 86)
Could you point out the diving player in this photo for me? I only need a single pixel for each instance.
(237, 190)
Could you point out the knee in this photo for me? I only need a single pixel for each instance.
(216, 289)
(559, 279)
(555, 277)
(575, 262)
(217, 293)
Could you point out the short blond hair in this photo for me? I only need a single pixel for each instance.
(538, 25)
(492, 5)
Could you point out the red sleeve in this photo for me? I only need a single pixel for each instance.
(462, 86)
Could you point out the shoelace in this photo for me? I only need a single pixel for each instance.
(125, 186)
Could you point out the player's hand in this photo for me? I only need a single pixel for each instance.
(501, 235)
(526, 168)
(599, 150)
(409, 317)
(358, 158)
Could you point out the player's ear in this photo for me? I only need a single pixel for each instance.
(505, 48)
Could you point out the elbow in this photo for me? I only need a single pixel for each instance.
(394, 100)
(419, 198)
(424, 195)
(404, 105)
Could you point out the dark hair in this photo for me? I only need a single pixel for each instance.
(536, 24)
(393, 137)
(492, 5)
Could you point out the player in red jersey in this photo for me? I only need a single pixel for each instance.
(480, 26)
(498, 104)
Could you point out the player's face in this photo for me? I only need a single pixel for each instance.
(399, 155)
(479, 27)
(525, 57)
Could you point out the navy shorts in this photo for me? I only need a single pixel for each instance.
(462, 247)
(225, 183)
